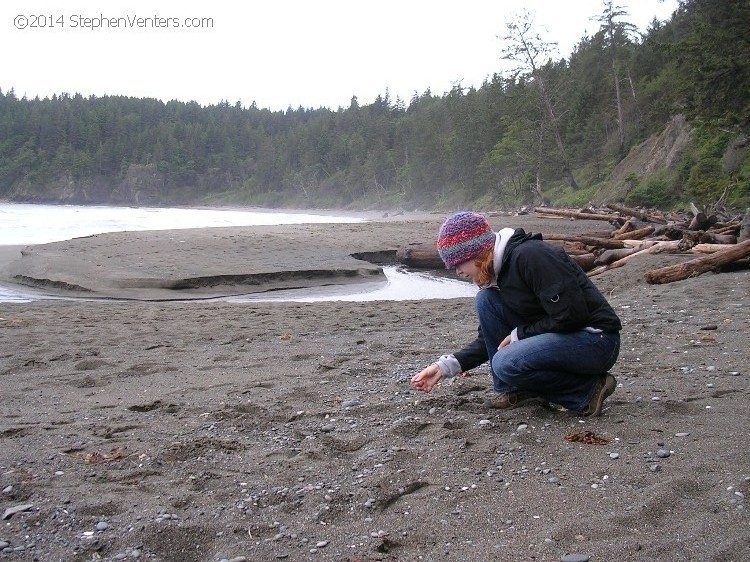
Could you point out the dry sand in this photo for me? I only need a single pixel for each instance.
(204, 430)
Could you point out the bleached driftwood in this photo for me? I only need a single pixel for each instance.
(708, 248)
(666, 246)
(639, 244)
(576, 214)
(695, 267)
(635, 234)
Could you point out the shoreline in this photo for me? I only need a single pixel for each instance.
(212, 262)
(207, 262)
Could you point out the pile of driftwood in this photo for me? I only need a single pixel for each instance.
(720, 240)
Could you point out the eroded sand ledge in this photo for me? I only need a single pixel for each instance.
(212, 262)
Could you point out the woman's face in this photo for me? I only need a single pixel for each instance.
(468, 270)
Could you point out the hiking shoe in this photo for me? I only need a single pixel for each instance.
(508, 400)
(605, 386)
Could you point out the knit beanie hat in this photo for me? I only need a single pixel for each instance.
(463, 237)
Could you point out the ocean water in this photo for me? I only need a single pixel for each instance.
(23, 224)
(38, 224)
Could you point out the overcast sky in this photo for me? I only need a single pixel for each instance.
(278, 53)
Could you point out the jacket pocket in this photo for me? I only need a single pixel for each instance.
(553, 299)
(552, 295)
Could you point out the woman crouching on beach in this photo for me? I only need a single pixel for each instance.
(547, 331)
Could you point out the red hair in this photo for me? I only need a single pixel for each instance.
(485, 261)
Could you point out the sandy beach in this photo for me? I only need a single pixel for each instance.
(177, 427)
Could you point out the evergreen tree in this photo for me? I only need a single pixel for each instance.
(530, 52)
(616, 33)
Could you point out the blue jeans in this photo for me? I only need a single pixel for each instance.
(560, 367)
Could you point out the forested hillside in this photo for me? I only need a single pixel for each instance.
(553, 129)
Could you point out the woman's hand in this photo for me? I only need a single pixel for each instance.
(426, 379)
(506, 342)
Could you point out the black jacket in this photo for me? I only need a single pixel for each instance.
(542, 285)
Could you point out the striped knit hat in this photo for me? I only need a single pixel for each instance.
(463, 237)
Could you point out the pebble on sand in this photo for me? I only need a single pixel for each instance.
(575, 558)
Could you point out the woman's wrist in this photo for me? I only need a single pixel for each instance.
(449, 366)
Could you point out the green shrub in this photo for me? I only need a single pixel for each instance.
(658, 192)
(706, 182)
(565, 196)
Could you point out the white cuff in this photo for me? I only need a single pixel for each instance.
(514, 335)
(449, 366)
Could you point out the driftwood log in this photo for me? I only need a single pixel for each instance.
(587, 240)
(708, 248)
(640, 244)
(695, 267)
(576, 214)
(636, 213)
(711, 238)
(586, 261)
(609, 256)
(628, 226)
(666, 246)
(420, 256)
(728, 229)
(635, 234)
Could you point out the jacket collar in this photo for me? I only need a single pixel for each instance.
(513, 238)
